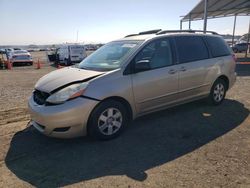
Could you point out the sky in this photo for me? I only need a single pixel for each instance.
(25, 22)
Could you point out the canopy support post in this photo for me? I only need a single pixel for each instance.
(235, 16)
(248, 36)
(205, 17)
(189, 22)
(181, 25)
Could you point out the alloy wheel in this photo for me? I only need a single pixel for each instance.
(110, 121)
(219, 92)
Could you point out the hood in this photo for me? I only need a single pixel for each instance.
(62, 77)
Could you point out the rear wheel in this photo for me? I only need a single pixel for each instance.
(218, 92)
(68, 61)
(107, 120)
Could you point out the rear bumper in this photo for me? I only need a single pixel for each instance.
(22, 61)
(66, 120)
(232, 79)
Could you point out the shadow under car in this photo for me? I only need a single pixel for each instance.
(150, 141)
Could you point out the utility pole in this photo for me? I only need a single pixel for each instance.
(77, 36)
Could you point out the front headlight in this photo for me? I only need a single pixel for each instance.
(67, 93)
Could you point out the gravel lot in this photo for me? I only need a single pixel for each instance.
(193, 145)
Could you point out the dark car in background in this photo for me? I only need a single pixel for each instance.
(240, 47)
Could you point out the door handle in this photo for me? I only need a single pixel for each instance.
(183, 69)
(172, 71)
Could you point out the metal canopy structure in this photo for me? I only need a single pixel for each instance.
(219, 8)
(208, 9)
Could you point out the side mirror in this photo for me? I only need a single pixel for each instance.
(142, 65)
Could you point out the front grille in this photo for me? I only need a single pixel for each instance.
(63, 129)
(40, 97)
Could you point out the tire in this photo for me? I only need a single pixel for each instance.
(69, 61)
(65, 62)
(107, 120)
(218, 92)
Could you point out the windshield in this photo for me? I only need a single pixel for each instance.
(110, 56)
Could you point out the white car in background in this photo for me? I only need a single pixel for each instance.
(70, 54)
(21, 57)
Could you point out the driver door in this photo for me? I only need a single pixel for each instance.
(158, 86)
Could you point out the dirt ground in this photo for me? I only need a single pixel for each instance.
(192, 145)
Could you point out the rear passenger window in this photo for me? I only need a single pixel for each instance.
(217, 46)
(191, 48)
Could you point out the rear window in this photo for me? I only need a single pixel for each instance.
(191, 48)
(77, 49)
(20, 51)
(217, 46)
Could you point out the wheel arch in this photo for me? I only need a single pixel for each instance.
(115, 98)
(124, 102)
(225, 79)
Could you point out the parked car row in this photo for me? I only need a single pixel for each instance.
(18, 56)
(38, 49)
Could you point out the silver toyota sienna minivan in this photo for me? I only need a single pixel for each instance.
(131, 77)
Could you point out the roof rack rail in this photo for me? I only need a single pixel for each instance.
(145, 33)
(131, 35)
(150, 32)
(185, 31)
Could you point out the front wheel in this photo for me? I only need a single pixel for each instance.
(218, 92)
(107, 120)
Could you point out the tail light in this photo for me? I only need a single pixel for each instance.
(234, 58)
(234, 64)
